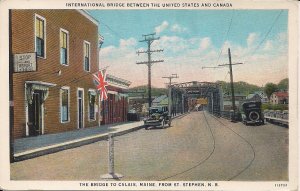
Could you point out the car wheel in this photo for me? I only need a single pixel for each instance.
(146, 128)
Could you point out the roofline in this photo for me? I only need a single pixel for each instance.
(120, 79)
(88, 16)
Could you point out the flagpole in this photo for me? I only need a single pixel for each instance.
(99, 98)
(99, 112)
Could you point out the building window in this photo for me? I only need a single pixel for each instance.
(40, 37)
(64, 39)
(86, 50)
(92, 102)
(65, 104)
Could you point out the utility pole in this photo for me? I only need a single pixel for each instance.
(170, 93)
(231, 82)
(149, 38)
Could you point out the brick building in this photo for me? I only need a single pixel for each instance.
(60, 94)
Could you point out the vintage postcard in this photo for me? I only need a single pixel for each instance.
(149, 95)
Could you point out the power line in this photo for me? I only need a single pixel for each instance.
(226, 75)
(265, 37)
(116, 33)
(226, 36)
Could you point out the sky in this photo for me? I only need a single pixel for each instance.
(192, 39)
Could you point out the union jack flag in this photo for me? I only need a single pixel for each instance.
(99, 80)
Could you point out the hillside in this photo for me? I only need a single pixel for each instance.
(240, 87)
(155, 91)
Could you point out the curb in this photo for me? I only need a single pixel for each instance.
(68, 145)
(73, 144)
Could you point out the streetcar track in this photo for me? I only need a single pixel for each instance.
(252, 148)
(200, 162)
(210, 154)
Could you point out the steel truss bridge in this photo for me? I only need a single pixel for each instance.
(183, 93)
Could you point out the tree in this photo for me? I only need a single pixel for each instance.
(270, 88)
(283, 84)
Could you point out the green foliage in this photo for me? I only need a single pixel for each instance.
(239, 87)
(270, 88)
(269, 106)
(283, 84)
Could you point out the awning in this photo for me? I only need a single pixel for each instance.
(112, 92)
(37, 85)
(92, 92)
(41, 83)
(123, 95)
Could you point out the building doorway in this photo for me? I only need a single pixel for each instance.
(80, 100)
(35, 114)
(36, 93)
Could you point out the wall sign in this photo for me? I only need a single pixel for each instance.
(25, 62)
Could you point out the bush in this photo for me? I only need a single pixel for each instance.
(269, 106)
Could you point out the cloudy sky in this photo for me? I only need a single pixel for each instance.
(193, 39)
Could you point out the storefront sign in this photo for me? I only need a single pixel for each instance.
(25, 62)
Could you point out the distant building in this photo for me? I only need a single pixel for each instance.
(160, 101)
(253, 97)
(227, 101)
(263, 95)
(139, 104)
(258, 96)
(279, 98)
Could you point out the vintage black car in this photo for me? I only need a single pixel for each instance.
(251, 113)
(158, 116)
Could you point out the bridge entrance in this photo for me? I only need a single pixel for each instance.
(184, 96)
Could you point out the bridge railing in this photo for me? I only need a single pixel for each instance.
(277, 116)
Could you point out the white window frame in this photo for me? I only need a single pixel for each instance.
(45, 35)
(83, 105)
(60, 104)
(86, 42)
(95, 117)
(68, 47)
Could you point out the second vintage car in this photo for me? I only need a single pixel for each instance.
(158, 116)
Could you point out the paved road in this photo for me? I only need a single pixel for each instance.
(198, 146)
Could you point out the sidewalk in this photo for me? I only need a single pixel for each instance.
(30, 147)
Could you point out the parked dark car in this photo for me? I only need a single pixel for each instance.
(251, 113)
(158, 116)
(132, 115)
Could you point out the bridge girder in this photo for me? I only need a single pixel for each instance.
(209, 90)
(199, 88)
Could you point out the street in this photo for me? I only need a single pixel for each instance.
(198, 146)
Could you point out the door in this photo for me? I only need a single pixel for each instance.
(80, 108)
(35, 114)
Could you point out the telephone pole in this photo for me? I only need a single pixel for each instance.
(149, 38)
(170, 93)
(231, 81)
(171, 77)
